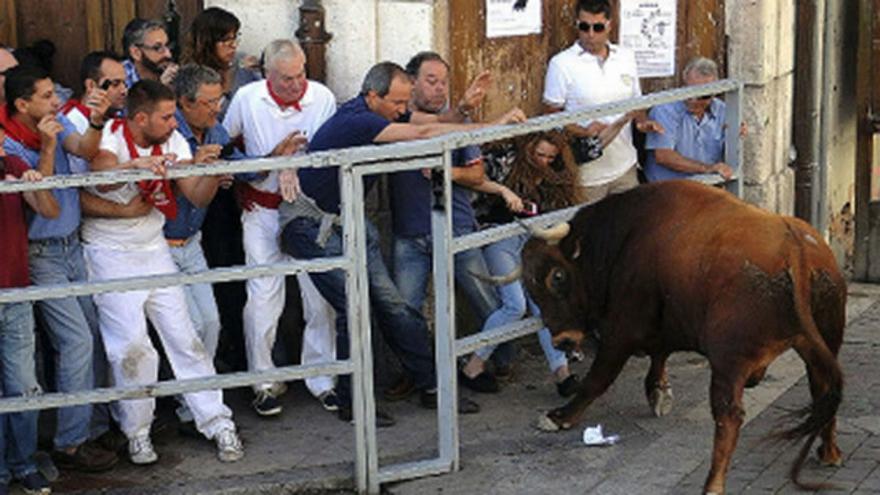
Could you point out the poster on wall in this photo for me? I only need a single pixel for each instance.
(512, 17)
(647, 27)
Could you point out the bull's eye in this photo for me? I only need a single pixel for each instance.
(558, 281)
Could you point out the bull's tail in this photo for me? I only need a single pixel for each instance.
(825, 376)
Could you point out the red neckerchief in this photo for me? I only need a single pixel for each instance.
(18, 131)
(157, 192)
(284, 104)
(71, 104)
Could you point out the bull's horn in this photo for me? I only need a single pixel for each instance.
(552, 234)
(500, 280)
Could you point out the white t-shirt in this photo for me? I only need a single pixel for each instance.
(577, 79)
(255, 116)
(140, 233)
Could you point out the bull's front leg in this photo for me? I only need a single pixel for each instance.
(605, 368)
(657, 388)
(727, 410)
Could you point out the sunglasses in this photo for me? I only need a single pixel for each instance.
(704, 97)
(158, 47)
(597, 27)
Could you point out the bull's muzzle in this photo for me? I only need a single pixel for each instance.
(569, 341)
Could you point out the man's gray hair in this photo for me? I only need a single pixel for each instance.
(702, 66)
(191, 77)
(280, 49)
(379, 78)
(137, 30)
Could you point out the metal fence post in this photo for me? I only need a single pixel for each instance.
(354, 248)
(733, 142)
(444, 313)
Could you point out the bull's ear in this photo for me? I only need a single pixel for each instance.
(577, 249)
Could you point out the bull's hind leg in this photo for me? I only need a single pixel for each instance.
(604, 370)
(828, 452)
(657, 388)
(726, 394)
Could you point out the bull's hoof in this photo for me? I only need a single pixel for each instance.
(831, 457)
(660, 400)
(544, 423)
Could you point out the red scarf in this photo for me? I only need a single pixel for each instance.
(284, 104)
(158, 192)
(71, 104)
(18, 131)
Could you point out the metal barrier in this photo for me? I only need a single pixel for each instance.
(355, 164)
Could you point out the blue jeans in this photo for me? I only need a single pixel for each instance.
(71, 324)
(413, 265)
(190, 258)
(18, 431)
(503, 257)
(404, 328)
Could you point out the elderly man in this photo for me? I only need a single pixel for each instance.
(311, 227)
(590, 72)
(276, 117)
(7, 61)
(695, 131)
(145, 42)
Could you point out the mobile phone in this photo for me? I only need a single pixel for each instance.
(106, 84)
(530, 209)
(228, 150)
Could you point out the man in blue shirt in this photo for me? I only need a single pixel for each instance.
(378, 115)
(695, 131)
(43, 138)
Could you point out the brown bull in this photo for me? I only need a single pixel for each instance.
(679, 266)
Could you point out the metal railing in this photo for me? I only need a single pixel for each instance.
(355, 164)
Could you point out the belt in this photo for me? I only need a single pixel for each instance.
(177, 242)
(68, 240)
(249, 194)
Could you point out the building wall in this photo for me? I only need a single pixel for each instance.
(364, 32)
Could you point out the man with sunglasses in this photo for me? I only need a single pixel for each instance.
(695, 131)
(99, 70)
(591, 72)
(149, 53)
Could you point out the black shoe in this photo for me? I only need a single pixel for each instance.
(383, 419)
(428, 400)
(112, 440)
(403, 388)
(484, 383)
(266, 404)
(88, 458)
(568, 387)
(35, 484)
(329, 401)
(4, 488)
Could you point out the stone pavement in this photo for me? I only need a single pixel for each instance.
(307, 450)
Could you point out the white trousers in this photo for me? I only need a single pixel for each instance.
(133, 359)
(265, 303)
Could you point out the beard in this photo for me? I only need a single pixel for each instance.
(155, 67)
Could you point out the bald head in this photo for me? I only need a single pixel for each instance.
(7, 61)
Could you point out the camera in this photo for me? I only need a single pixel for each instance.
(227, 151)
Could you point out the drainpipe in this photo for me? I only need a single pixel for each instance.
(809, 58)
(821, 217)
(313, 39)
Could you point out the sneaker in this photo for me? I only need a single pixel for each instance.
(329, 400)
(266, 404)
(568, 387)
(88, 458)
(403, 388)
(383, 419)
(428, 400)
(140, 450)
(35, 484)
(229, 448)
(484, 383)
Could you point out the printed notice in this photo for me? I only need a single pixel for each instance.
(512, 17)
(647, 27)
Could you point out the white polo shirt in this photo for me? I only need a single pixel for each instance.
(577, 79)
(130, 234)
(255, 116)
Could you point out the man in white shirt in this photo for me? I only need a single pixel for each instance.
(590, 72)
(277, 116)
(125, 247)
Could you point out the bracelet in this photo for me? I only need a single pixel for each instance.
(96, 126)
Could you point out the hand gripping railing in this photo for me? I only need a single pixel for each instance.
(355, 163)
